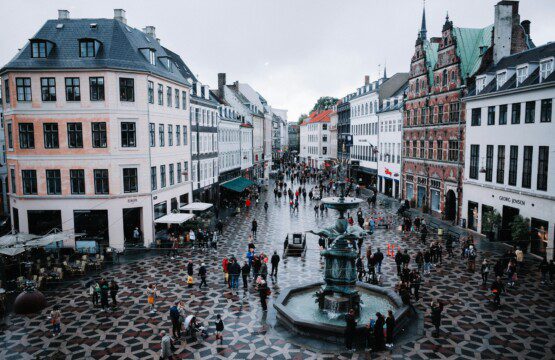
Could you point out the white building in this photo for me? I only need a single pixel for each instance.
(333, 135)
(4, 203)
(315, 139)
(510, 147)
(229, 144)
(390, 133)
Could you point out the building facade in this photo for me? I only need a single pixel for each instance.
(333, 135)
(294, 140)
(506, 172)
(96, 145)
(315, 139)
(344, 127)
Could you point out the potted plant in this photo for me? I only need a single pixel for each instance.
(490, 224)
(520, 231)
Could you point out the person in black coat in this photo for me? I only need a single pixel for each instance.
(245, 271)
(263, 292)
(190, 268)
(350, 330)
(390, 322)
(202, 275)
(423, 234)
(399, 262)
(275, 262)
(378, 332)
(437, 308)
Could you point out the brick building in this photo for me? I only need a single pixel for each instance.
(434, 118)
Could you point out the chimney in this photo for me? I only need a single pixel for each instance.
(526, 25)
(435, 40)
(366, 79)
(221, 84)
(150, 30)
(505, 12)
(119, 14)
(63, 14)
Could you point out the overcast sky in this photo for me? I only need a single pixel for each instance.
(291, 51)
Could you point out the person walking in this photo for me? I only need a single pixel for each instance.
(437, 308)
(190, 268)
(265, 207)
(427, 262)
(275, 263)
(497, 288)
(114, 288)
(245, 271)
(263, 292)
(350, 329)
(263, 268)
(166, 352)
(202, 275)
(399, 261)
(151, 296)
(423, 234)
(390, 326)
(104, 290)
(254, 227)
(378, 258)
(519, 254)
(94, 292)
(544, 271)
(175, 317)
(56, 320)
(379, 340)
(219, 329)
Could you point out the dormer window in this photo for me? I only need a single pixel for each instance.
(39, 49)
(151, 57)
(167, 62)
(546, 68)
(521, 74)
(480, 84)
(501, 78)
(87, 48)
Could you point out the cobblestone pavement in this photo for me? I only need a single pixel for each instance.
(471, 328)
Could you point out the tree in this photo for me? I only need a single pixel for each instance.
(324, 103)
(491, 221)
(301, 118)
(520, 231)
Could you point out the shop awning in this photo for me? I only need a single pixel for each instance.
(238, 185)
(174, 218)
(196, 206)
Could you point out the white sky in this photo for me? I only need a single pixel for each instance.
(291, 51)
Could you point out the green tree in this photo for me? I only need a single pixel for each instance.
(301, 118)
(520, 231)
(324, 103)
(491, 221)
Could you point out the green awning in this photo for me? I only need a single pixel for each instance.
(238, 185)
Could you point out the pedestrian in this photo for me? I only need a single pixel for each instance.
(316, 210)
(519, 258)
(378, 258)
(544, 271)
(427, 262)
(151, 296)
(94, 292)
(390, 326)
(378, 332)
(415, 281)
(190, 269)
(275, 262)
(437, 308)
(419, 260)
(235, 273)
(265, 207)
(104, 290)
(485, 271)
(350, 330)
(264, 268)
(219, 329)
(263, 292)
(56, 320)
(497, 288)
(166, 345)
(423, 234)
(175, 317)
(202, 275)
(471, 258)
(114, 288)
(245, 271)
(254, 227)
(398, 261)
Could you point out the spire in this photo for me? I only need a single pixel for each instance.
(423, 32)
(385, 71)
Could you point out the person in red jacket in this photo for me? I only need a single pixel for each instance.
(225, 263)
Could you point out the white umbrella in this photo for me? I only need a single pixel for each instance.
(13, 239)
(51, 238)
(12, 251)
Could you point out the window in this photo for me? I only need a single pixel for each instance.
(101, 184)
(530, 112)
(153, 179)
(7, 91)
(152, 134)
(29, 180)
(12, 180)
(440, 149)
(521, 74)
(324, 150)
(430, 149)
(184, 100)
(500, 164)
(50, 135)
(23, 88)
(152, 57)
(26, 136)
(453, 150)
(128, 134)
(170, 135)
(186, 171)
(325, 138)
(491, 115)
(10, 136)
(126, 89)
(184, 135)
(476, 117)
(324, 126)
(480, 84)
(38, 49)
(130, 180)
(162, 176)
(474, 161)
(48, 89)
(53, 182)
(501, 79)
(444, 78)
(169, 96)
(160, 94)
(177, 135)
(75, 135)
(513, 162)
(161, 135)
(546, 109)
(96, 86)
(422, 149)
(179, 175)
(503, 114)
(527, 167)
(77, 181)
(489, 163)
(73, 91)
(546, 68)
(440, 114)
(87, 48)
(172, 175)
(176, 98)
(99, 134)
(543, 167)
(150, 92)
(515, 113)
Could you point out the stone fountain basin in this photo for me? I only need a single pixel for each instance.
(333, 332)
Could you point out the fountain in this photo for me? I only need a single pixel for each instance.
(340, 291)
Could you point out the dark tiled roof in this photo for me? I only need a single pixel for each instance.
(532, 55)
(393, 85)
(119, 48)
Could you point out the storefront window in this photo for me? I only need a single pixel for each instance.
(410, 191)
(539, 236)
(435, 200)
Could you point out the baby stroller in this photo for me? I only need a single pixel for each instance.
(192, 327)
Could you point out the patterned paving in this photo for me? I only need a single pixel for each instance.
(472, 328)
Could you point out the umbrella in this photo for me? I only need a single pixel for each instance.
(49, 239)
(13, 239)
(12, 251)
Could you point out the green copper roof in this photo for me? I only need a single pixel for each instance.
(430, 49)
(469, 42)
(238, 185)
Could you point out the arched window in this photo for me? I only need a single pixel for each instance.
(366, 108)
(417, 86)
(370, 107)
(444, 77)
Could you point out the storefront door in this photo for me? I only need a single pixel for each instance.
(388, 187)
(421, 196)
(410, 192)
(508, 216)
(132, 220)
(472, 216)
(538, 236)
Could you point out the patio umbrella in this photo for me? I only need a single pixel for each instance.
(13, 239)
(12, 251)
(50, 239)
